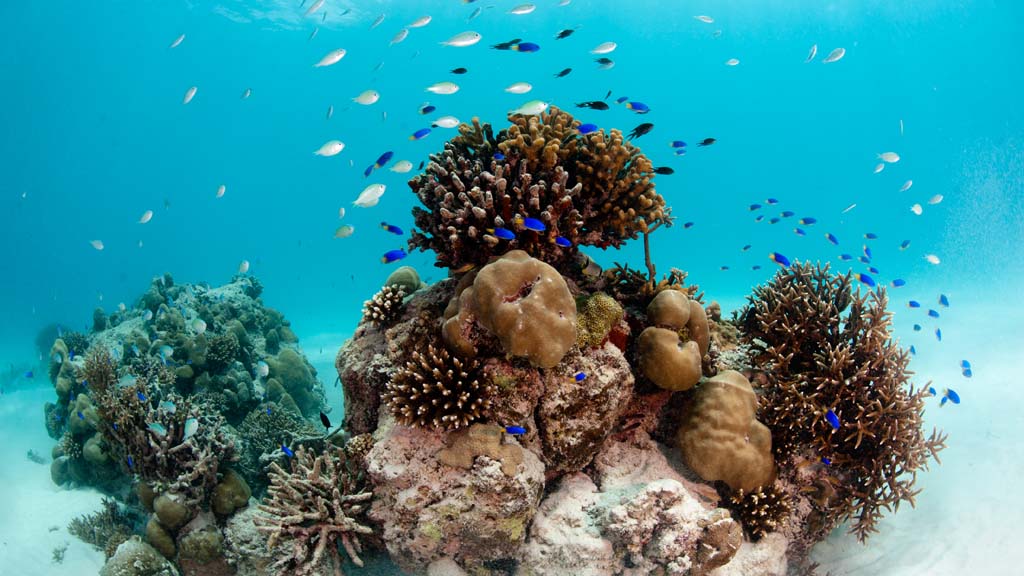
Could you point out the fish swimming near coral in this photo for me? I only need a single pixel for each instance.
(515, 430)
(832, 419)
(325, 420)
(287, 451)
(191, 427)
(393, 256)
(949, 395)
(390, 228)
(640, 130)
(593, 105)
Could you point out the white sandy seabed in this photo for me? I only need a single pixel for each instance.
(965, 521)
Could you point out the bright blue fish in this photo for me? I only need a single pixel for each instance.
(913, 351)
(943, 301)
(968, 373)
(427, 109)
(867, 251)
(393, 256)
(287, 451)
(871, 236)
(678, 144)
(951, 395)
(898, 282)
(873, 270)
(80, 415)
(965, 364)
(833, 420)
(534, 224)
(759, 218)
(580, 376)
(933, 313)
(515, 430)
(587, 128)
(799, 232)
(865, 279)
(826, 461)
(621, 99)
(563, 242)
(845, 257)
(390, 228)
(384, 159)
(831, 238)
(932, 391)
(905, 244)
(504, 234)
(913, 304)
(688, 225)
(368, 171)
(681, 152)
(268, 410)
(779, 259)
(938, 334)
(754, 207)
(638, 107)
(525, 47)
(787, 214)
(131, 463)
(30, 375)
(419, 134)
(775, 220)
(808, 221)
(771, 201)
(917, 327)
(864, 259)
(140, 396)
(499, 156)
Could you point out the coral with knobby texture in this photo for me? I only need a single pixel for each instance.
(105, 529)
(596, 315)
(439, 390)
(480, 440)
(720, 437)
(136, 558)
(385, 306)
(824, 347)
(221, 352)
(298, 377)
(521, 301)
(667, 361)
(230, 494)
(760, 511)
(311, 510)
(592, 189)
(76, 342)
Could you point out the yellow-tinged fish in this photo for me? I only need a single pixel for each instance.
(463, 39)
(531, 108)
(344, 231)
(732, 62)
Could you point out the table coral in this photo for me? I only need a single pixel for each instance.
(311, 510)
(824, 347)
(721, 440)
(523, 302)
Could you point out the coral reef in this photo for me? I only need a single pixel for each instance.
(596, 315)
(824, 347)
(385, 306)
(311, 510)
(761, 511)
(593, 189)
(107, 528)
(136, 558)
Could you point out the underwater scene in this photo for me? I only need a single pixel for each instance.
(510, 288)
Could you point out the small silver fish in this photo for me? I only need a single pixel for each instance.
(157, 428)
(191, 427)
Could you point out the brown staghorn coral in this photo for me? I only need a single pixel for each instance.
(592, 189)
(824, 347)
(760, 511)
(149, 438)
(438, 390)
(385, 306)
(105, 529)
(311, 510)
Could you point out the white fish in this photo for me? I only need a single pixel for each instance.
(191, 427)
(523, 9)
(341, 212)
(122, 306)
(221, 190)
(146, 217)
(916, 209)
(330, 148)
(848, 208)
(147, 315)
(330, 58)
(935, 199)
(608, 65)
(446, 122)
(812, 53)
(402, 35)
(312, 34)
(177, 41)
(705, 19)
(932, 259)
(401, 167)
(889, 157)
(834, 56)
(732, 62)
(330, 111)
(443, 88)
(420, 22)
(97, 244)
(199, 325)
(901, 127)
(474, 14)
(189, 95)
(906, 185)
(604, 48)
(879, 167)
(531, 108)
(370, 195)
(243, 266)
(463, 39)
(157, 428)
(262, 369)
(368, 97)
(377, 22)
(519, 88)
(247, 93)
(344, 231)
(314, 7)
(564, 2)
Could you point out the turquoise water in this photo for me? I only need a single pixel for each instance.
(95, 134)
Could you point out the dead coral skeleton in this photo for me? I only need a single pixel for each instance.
(311, 510)
(824, 347)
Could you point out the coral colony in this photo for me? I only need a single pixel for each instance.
(517, 417)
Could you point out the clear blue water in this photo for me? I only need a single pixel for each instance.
(95, 133)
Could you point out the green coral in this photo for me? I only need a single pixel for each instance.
(596, 316)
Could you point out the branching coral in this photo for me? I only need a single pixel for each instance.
(311, 510)
(824, 347)
(105, 529)
(76, 342)
(221, 352)
(385, 306)
(158, 436)
(592, 189)
(438, 390)
(760, 511)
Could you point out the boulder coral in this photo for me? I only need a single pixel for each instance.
(721, 439)
(672, 348)
(523, 302)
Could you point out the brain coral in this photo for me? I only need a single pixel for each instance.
(523, 302)
(593, 189)
(721, 440)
